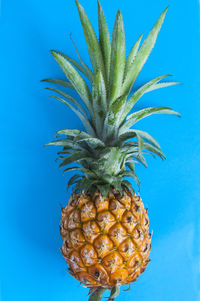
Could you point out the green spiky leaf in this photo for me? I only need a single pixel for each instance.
(129, 173)
(128, 185)
(60, 82)
(76, 64)
(99, 97)
(88, 72)
(84, 120)
(104, 40)
(133, 133)
(75, 157)
(139, 93)
(162, 85)
(73, 133)
(142, 55)
(73, 100)
(132, 55)
(72, 180)
(117, 59)
(137, 116)
(91, 40)
(75, 79)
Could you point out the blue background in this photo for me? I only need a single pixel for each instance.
(32, 187)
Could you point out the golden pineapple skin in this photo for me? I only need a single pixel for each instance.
(106, 241)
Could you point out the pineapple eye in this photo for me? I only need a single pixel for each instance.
(98, 198)
(73, 202)
(97, 274)
(129, 219)
(129, 249)
(110, 262)
(137, 208)
(137, 199)
(117, 194)
(139, 234)
(117, 233)
(146, 248)
(136, 263)
(103, 246)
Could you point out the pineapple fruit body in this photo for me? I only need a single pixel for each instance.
(106, 241)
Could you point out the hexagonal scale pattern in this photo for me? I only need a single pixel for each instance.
(106, 241)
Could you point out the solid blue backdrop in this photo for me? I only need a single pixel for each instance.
(32, 187)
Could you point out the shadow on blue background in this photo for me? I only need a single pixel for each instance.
(32, 187)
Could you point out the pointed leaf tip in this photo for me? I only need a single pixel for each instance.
(143, 54)
(91, 40)
(165, 10)
(119, 12)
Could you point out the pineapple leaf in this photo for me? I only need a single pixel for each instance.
(72, 132)
(72, 180)
(132, 151)
(129, 173)
(86, 68)
(61, 142)
(72, 169)
(131, 57)
(60, 82)
(117, 59)
(139, 93)
(104, 189)
(136, 116)
(128, 185)
(99, 91)
(112, 160)
(93, 141)
(142, 55)
(141, 159)
(104, 40)
(117, 110)
(162, 85)
(99, 100)
(140, 144)
(154, 150)
(109, 130)
(75, 79)
(131, 166)
(75, 63)
(132, 134)
(66, 151)
(130, 146)
(75, 157)
(86, 184)
(85, 171)
(84, 120)
(91, 40)
(69, 97)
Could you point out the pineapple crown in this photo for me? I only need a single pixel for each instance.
(104, 155)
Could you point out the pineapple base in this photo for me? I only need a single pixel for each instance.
(106, 241)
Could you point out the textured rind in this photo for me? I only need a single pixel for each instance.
(106, 241)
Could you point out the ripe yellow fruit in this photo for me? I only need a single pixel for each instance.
(106, 241)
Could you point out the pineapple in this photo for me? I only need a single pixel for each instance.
(105, 227)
